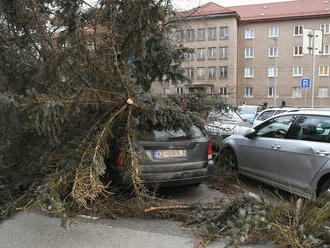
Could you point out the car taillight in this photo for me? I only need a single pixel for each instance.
(120, 161)
(209, 150)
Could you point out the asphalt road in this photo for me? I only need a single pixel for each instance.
(33, 230)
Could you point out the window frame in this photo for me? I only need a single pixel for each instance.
(198, 53)
(270, 35)
(202, 76)
(325, 30)
(248, 90)
(188, 32)
(323, 95)
(249, 53)
(323, 74)
(299, 48)
(274, 51)
(248, 34)
(199, 37)
(214, 69)
(297, 90)
(297, 74)
(223, 73)
(221, 49)
(214, 53)
(299, 27)
(226, 36)
(251, 75)
(211, 35)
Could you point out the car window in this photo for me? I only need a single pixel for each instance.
(277, 127)
(312, 128)
(281, 112)
(167, 135)
(265, 115)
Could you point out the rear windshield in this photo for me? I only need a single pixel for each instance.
(167, 135)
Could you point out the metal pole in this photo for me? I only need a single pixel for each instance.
(275, 75)
(313, 73)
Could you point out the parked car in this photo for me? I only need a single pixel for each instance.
(248, 112)
(224, 124)
(290, 151)
(267, 113)
(168, 158)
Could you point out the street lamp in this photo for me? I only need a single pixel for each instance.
(275, 74)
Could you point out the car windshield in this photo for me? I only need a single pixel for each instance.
(265, 115)
(224, 116)
(166, 135)
(247, 110)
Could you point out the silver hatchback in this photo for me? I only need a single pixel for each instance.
(290, 151)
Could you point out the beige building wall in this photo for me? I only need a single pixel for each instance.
(286, 41)
(236, 82)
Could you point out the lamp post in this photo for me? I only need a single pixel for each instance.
(275, 74)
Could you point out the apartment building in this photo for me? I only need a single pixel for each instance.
(237, 52)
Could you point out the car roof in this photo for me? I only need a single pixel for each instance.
(309, 112)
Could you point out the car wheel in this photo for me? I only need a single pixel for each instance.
(227, 160)
(325, 188)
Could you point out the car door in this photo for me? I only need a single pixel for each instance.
(305, 152)
(261, 155)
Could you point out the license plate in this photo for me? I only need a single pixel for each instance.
(160, 154)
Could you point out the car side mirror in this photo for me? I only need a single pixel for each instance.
(250, 133)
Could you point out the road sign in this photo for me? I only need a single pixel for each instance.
(308, 41)
(305, 83)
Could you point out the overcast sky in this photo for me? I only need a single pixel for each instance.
(188, 4)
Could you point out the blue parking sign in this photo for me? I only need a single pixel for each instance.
(305, 83)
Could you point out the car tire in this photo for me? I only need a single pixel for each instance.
(325, 188)
(227, 160)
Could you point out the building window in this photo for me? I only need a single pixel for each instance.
(249, 53)
(248, 72)
(273, 52)
(273, 31)
(190, 72)
(200, 73)
(325, 28)
(179, 90)
(223, 52)
(223, 91)
(179, 35)
(212, 52)
(298, 30)
(200, 53)
(212, 73)
(270, 91)
(190, 35)
(190, 54)
(271, 72)
(297, 51)
(297, 71)
(249, 33)
(201, 34)
(223, 33)
(326, 50)
(324, 70)
(296, 92)
(223, 72)
(323, 92)
(248, 92)
(166, 91)
(212, 33)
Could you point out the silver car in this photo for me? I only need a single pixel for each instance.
(290, 151)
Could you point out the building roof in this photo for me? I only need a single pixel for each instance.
(289, 9)
(255, 12)
(209, 8)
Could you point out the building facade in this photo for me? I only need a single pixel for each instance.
(239, 52)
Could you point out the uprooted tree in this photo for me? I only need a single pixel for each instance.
(72, 77)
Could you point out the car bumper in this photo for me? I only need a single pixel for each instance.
(171, 177)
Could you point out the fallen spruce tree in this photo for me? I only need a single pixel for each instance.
(72, 77)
